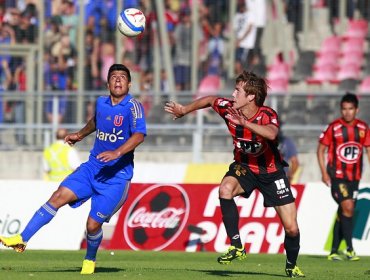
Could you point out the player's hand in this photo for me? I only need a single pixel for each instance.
(326, 179)
(72, 138)
(175, 109)
(235, 116)
(108, 156)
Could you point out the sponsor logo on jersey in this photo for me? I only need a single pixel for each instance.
(349, 152)
(250, 147)
(111, 137)
(156, 217)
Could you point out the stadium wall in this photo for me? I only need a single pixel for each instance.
(185, 195)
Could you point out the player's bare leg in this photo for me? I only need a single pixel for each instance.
(288, 217)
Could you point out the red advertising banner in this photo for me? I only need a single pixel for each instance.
(187, 217)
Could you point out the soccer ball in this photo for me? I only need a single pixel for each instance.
(131, 22)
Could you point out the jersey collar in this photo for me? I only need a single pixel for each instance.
(124, 101)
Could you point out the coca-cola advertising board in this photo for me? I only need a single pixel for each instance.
(187, 217)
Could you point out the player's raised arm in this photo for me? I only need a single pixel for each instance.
(177, 110)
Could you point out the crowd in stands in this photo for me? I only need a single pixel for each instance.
(19, 25)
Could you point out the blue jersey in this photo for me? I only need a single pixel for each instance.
(114, 126)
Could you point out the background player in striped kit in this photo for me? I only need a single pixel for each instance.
(105, 178)
(344, 140)
(257, 163)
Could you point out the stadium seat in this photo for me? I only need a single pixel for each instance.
(324, 73)
(331, 44)
(353, 45)
(278, 71)
(209, 85)
(278, 85)
(349, 71)
(352, 58)
(330, 58)
(357, 28)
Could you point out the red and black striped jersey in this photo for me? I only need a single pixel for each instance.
(260, 155)
(345, 148)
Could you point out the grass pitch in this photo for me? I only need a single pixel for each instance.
(55, 265)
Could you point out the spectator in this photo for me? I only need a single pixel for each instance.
(19, 84)
(244, 26)
(216, 51)
(183, 47)
(60, 159)
(70, 20)
(259, 10)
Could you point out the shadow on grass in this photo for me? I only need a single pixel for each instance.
(78, 269)
(227, 273)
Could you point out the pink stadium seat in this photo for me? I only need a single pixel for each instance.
(209, 85)
(331, 44)
(353, 45)
(364, 86)
(279, 70)
(349, 71)
(323, 73)
(278, 85)
(356, 29)
(330, 58)
(352, 58)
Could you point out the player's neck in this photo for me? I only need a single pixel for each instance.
(249, 110)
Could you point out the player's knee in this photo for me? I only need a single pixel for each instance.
(92, 226)
(226, 191)
(58, 199)
(292, 230)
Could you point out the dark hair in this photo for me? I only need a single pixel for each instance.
(253, 85)
(119, 67)
(350, 98)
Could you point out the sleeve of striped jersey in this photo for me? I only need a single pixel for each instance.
(367, 138)
(138, 122)
(326, 136)
(220, 105)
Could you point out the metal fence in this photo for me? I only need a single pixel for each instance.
(29, 125)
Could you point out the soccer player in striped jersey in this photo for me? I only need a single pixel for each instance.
(257, 163)
(105, 178)
(344, 140)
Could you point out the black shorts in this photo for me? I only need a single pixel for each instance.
(343, 189)
(274, 187)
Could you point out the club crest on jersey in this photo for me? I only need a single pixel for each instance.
(349, 152)
(118, 120)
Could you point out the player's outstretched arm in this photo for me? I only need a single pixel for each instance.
(177, 110)
(73, 138)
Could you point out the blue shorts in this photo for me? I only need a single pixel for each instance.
(107, 193)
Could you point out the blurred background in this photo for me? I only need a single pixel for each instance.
(55, 54)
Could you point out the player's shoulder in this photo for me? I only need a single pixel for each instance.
(102, 99)
(268, 111)
(223, 102)
(362, 124)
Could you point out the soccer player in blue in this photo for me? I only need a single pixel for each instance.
(105, 178)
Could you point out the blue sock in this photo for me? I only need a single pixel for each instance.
(93, 243)
(42, 216)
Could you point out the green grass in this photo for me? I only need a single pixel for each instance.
(55, 265)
